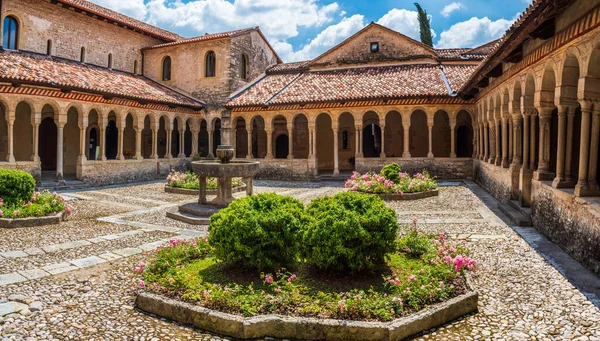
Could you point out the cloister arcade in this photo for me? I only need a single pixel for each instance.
(333, 141)
(544, 123)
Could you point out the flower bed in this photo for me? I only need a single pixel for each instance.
(43, 208)
(390, 184)
(377, 281)
(189, 183)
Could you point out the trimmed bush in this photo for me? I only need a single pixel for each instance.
(391, 171)
(260, 231)
(349, 232)
(16, 186)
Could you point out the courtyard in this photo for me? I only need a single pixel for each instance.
(77, 278)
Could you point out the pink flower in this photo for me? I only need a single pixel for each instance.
(278, 289)
(342, 305)
(411, 278)
(68, 209)
(354, 188)
(441, 284)
(140, 268)
(171, 281)
(269, 279)
(291, 278)
(365, 177)
(141, 283)
(1, 213)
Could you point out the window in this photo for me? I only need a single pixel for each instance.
(110, 61)
(82, 55)
(166, 69)
(210, 67)
(244, 70)
(135, 67)
(374, 47)
(49, 47)
(11, 33)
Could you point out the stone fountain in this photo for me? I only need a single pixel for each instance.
(223, 168)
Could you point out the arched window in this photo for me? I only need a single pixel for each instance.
(135, 67)
(11, 33)
(110, 61)
(49, 47)
(82, 55)
(166, 69)
(244, 70)
(211, 63)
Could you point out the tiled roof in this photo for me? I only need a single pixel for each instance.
(37, 69)
(458, 75)
(121, 18)
(405, 81)
(289, 67)
(451, 53)
(207, 36)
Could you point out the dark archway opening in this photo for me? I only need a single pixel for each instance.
(175, 139)
(372, 141)
(47, 144)
(464, 142)
(93, 144)
(203, 139)
(187, 137)
(281, 146)
(216, 136)
(112, 140)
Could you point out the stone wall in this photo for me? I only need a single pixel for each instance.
(443, 168)
(283, 169)
(260, 58)
(573, 223)
(69, 31)
(123, 171)
(496, 180)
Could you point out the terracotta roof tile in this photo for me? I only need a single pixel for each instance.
(37, 69)
(451, 53)
(207, 36)
(289, 67)
(123, 19)
(422, 80)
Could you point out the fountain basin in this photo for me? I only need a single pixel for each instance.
(232, 169)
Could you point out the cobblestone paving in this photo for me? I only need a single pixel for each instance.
(521, 296)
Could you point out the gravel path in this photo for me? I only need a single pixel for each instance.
(521, 296)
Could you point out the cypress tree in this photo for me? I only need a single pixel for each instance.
(424, 26)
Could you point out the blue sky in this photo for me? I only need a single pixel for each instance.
(303, 29)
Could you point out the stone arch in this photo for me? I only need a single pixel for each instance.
(394, 134)
(187, 138)
(371, 135)
(23, 132)
(129, 143)
(259, 137)
(300, 137)
(464, 134)
(324, 142)
(71, 141)
(203, 138)
(48, 138)
(279, 126)
(441, 138)
(112, 136)
(241, 137)
(163, 126)
(147, 137)
(550, 127)
(346, 141)
(419, 134)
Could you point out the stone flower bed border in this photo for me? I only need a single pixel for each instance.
(407, 196)
(209, 191)
(288, 327)
(32, 221)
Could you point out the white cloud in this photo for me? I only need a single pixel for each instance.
(473, 32)
(451, 8)
(328, 38)
(403, 21)
(132, 8)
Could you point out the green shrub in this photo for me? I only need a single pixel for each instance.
(260, 231)
(350, 231)
(16, 186)
(391, 171)
(415, 244)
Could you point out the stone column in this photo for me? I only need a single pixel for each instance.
(511, 141)
(533, 126)
(593, 167)
(138, 143)
(357, 142)
(168, 153)
(82, 144)
(36, 142)
(560, 148)
(505, 132)
(543, 171)
(310, 143)
(154, 143)
(290, 130)
(486, 141)
(181, 144)
(210, 144)
(517, 131)
(498, 144)
(525, 174)
(382, 153)
(10, 121)
(569, 180)
(336, 170)
(476, 147)
(195, 142)
(249, 130)
(582, 188)
(269, 144)
(430, 129)
(406, 153)
(482, 134)
(234, 141)
(102, 143)
(526, 140)
(452, 139)
(121, 128)
(60, 126)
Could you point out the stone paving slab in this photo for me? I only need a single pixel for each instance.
(33, 251)
(13, 254)
(59, 268)
(87, 261)
(34, 273)
(109, 256)
(151, 246)
(11, 308)
(11, 278)
(128, 251)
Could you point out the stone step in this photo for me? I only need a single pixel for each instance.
(196, 209)
(187, 218)
(515, 215)
(526, 211)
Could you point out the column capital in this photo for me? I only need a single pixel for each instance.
(586, 105)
